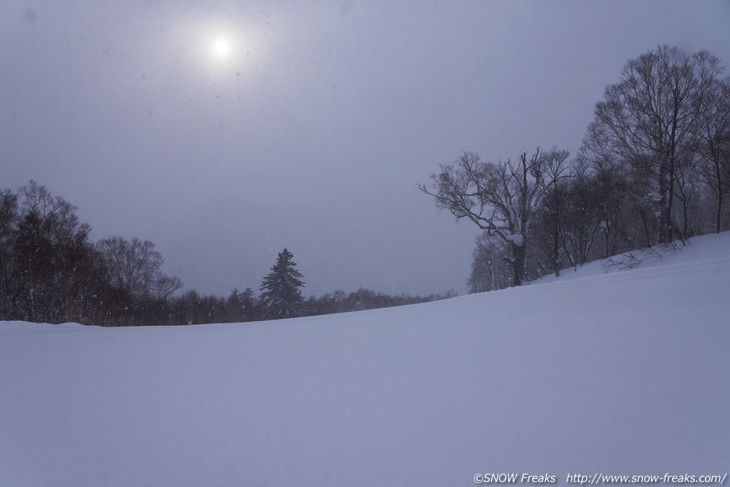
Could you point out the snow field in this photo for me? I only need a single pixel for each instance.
(624, 372)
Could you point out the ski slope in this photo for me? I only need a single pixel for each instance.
(626, 372)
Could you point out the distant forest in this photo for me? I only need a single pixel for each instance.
(653, 168)
(51, 272)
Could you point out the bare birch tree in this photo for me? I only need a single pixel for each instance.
(500, 198)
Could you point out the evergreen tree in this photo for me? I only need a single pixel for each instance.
(281, 295)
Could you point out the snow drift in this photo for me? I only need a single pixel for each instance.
(625, 372)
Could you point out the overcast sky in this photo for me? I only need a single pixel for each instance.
(309, 124)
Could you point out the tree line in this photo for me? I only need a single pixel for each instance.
(51, 272)
(653, 167)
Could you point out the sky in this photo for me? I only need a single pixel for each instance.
(225, 131)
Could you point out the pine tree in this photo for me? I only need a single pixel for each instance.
(281, 295)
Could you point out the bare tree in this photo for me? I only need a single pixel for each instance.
(489, 269)
(714, 145)
(500, 198)
(650, 121)
(54, 275)
(134, 267)
(8, 232)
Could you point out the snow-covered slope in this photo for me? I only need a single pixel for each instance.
(626, 372)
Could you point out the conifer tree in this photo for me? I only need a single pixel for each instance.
(281, 295)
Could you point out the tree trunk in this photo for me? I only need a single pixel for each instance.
(518, 263)
(665, 206)
(556, 253)
(720, 189)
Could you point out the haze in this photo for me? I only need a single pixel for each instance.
(224, 131)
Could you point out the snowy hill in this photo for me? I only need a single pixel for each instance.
(620, 373)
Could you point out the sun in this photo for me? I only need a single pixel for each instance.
(221, 48)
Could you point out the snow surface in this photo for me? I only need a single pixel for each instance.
(622, 372)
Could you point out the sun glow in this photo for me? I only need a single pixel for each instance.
(216, 48)
(221, 48)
